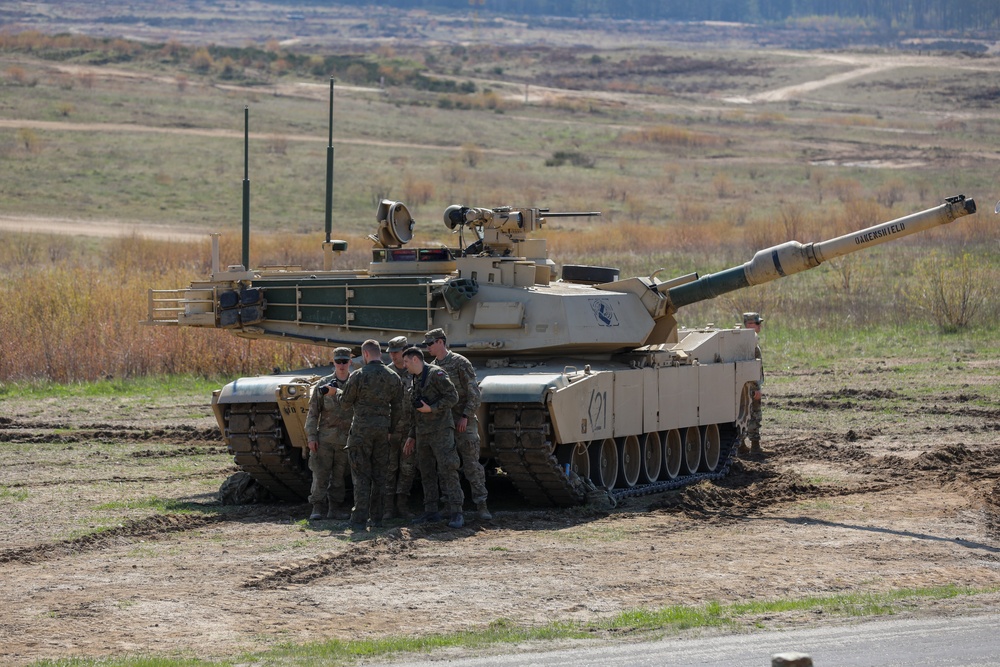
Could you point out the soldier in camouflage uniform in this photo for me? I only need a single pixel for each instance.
(430, 400)
(402, 468)
(376, 395)
(754, 321)
(327, 425)
(463, 376)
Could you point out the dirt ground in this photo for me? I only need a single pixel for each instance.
(868, 483)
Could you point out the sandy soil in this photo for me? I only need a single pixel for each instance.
(866, 485)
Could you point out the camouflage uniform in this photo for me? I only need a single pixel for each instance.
(463, 376)
(756, 414)
(376, 395)
(328, 423)
(402, 468)
(434, 433)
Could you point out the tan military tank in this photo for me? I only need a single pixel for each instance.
(583, 374)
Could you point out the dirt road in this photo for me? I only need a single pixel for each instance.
(869, 483)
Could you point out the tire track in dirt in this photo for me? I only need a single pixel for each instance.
(363, 555)
(148, 529)
(15, 431)
(848, 399)
(753, 485)
(366, 554)
(219, 473)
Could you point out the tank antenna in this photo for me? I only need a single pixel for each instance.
(329, 171)
(246, 188)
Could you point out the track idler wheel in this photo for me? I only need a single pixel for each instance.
(604, 463)
(711, 449)
(673, 454)
(629, 460)
(652, 457)
(575, 455)
(692, 450)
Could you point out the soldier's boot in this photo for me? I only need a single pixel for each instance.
(338, 511)
(743, 449)
(318, 512)
(483, 513)
(390, 507)
(427, 517)
(457, 520)
(755, 449)
(401, 509)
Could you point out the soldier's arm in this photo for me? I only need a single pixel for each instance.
(473, 396)
(449, 395)
(313, 415)
(348, 394)
(396, 419)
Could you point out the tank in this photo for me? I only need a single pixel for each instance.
(585, 375)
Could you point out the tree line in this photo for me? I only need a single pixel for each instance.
(936, 15)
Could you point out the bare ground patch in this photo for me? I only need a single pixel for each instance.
(882, 491)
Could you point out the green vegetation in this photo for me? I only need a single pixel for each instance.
(16, 495)
(651, 622)
(161, 505)
(152, 386)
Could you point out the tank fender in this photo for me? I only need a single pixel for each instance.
(600, 404)
(290, 393)
(582, 409)
(526, 388)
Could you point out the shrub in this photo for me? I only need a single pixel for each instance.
(670, 135)
(471, 155)
(559, 158)
(951, 291)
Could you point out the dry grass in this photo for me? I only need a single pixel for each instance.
(671, 135)
(69, 317)
(72, 316)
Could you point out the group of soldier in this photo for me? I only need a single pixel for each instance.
(386, 421)
(383, 422)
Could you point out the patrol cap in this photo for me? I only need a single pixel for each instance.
(397, 344)
(433, 335)
(752, 317)
(342, 354)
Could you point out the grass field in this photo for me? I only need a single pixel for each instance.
(686, 182)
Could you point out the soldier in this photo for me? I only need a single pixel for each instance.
(402, 468)
(327, 426)
(463, 376)
(754, 321)
(432, 437)
(376, 394)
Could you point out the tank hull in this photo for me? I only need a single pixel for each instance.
(622, 421)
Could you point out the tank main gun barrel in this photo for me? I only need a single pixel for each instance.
(792, 257)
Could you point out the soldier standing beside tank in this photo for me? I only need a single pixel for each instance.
(376, 394)
(431, 437)
(754, 321)
(463, 376)
(328, 423)
(402, 468)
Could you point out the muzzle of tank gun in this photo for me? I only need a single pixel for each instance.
(793, 257)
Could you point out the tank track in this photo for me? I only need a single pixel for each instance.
(522, 446)
(524, 450)
(257, 442)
